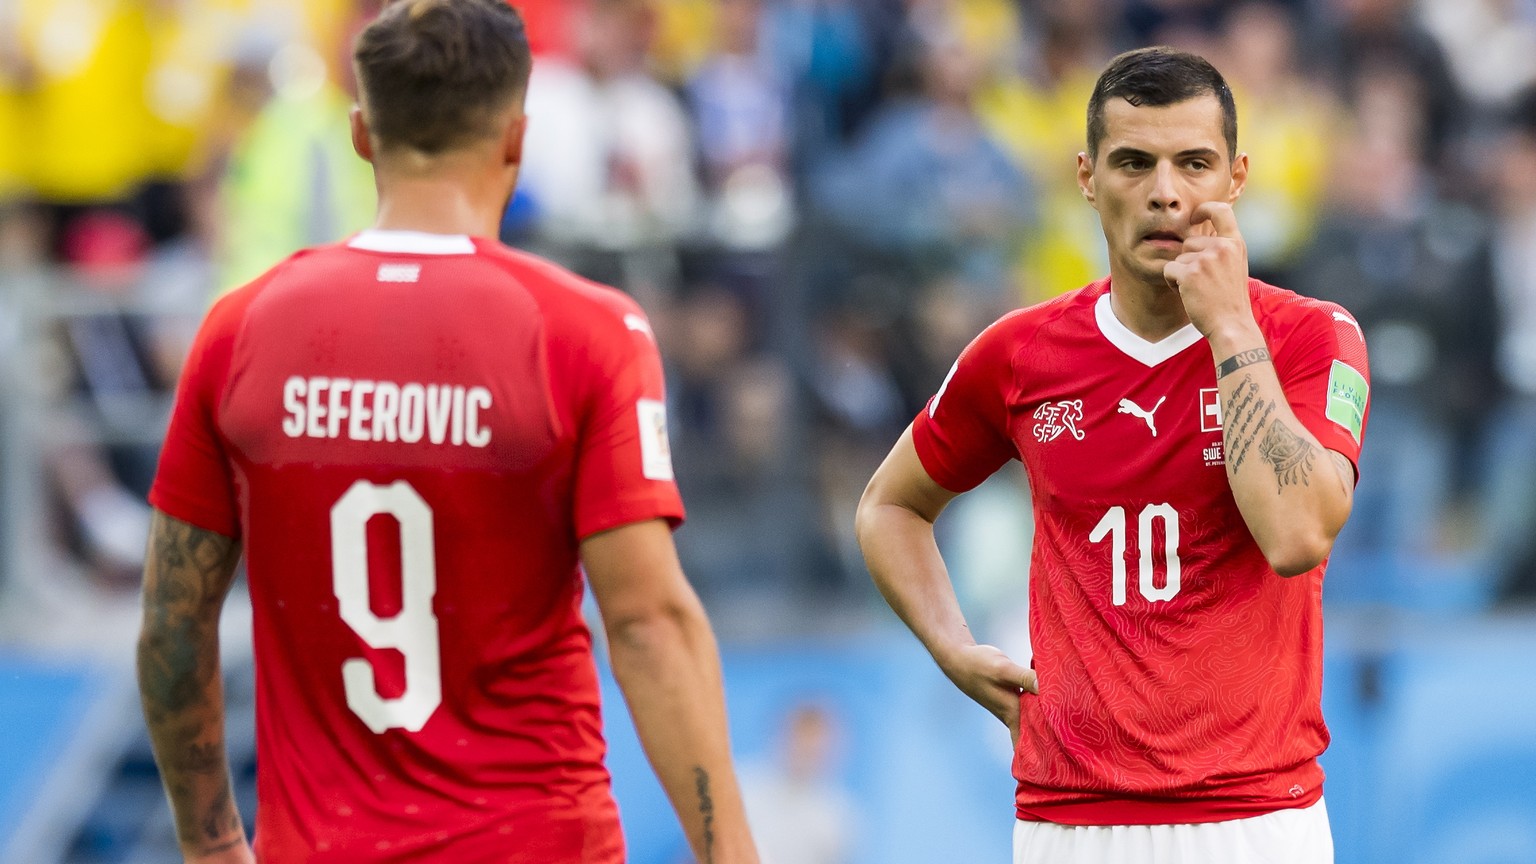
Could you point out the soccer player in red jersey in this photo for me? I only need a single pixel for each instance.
(1190, 437)
(413, 437)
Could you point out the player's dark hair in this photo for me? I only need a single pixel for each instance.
(434, 74)
(1156, 77)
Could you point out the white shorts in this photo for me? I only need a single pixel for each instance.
(1282, 837)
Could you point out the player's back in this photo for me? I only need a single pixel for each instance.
(410, 419)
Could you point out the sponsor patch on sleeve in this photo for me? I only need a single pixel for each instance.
(655, 451)
(1347, 394)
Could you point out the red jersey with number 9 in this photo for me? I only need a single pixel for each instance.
(411, 434)
(1180, 677)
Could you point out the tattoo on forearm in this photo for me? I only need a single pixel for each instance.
(201, 758)
(1245, 414)
(188, 573)
(707, 810)
(221, 819)
(1289, 454)
(1241, 359)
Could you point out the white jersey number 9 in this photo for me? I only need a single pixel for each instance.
(1114, 525)
(413, 632)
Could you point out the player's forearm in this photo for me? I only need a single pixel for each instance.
(183, 701)
(668, 666)
(180, 687)
(1284, 482)
(904, 561)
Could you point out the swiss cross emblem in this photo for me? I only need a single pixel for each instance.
(1210, 410)
(1058, 417)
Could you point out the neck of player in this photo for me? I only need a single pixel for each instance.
(1152, 311)
(452, 198)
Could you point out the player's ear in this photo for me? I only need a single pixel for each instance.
(512, 139)
(361, 142)
(1239, 177)
(1085, 178)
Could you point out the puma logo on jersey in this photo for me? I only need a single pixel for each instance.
(1129, 407)
(1340, 316)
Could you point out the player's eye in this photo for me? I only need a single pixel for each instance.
(1198, 165)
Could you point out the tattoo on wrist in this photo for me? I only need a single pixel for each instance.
(707, 810)
(1241, 359)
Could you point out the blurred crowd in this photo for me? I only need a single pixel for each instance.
(819, 202)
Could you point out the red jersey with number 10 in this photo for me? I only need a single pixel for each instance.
(411, 434)
(1180, 677)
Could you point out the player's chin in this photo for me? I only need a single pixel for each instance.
(1150, 269)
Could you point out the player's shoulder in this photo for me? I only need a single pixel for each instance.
(229, 310)
(1286, 309)
(1026, 322)
(566, 298)
(1016, 329)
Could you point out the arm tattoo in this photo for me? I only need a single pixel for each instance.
(187, 574)
(1289, 454)
(221, 818)
(707, 810)
(1244, 416)
(1241, 359)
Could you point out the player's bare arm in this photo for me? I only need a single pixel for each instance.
(1294, 494)
(666, 661)
(186, 577)
(895, 531)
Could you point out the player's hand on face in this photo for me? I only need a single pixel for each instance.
(1211, 274)
(990, 677)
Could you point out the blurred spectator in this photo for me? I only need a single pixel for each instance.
(608, 157)
(1364, 37)
(548, 23)
(684, 38)
(927, 183)
(1037, 113)
(1509, 516)
(114, 372)
(799, 811)
(293, 179)
(86, 66)
(1152, 22)
(1412, 268)
(741, 106)
(1491, 45)
(829, 51)
(1287, 124)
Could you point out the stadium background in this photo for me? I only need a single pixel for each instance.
(818, 202)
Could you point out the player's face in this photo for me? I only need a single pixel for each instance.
(1155, 166)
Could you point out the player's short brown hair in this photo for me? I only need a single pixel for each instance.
(1159, 76)
(433, 74)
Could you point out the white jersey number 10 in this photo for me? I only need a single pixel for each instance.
(1114, 525)
(413, 632)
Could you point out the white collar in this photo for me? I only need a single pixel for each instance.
(413, 242)
(1135, 347)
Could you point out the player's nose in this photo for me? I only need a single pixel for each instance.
(1164, 193)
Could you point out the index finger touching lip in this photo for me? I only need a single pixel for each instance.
(1221, 217)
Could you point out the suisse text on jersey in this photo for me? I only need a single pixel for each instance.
(320, 407)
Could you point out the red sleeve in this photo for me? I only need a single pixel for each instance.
(1326, 377)
(623, 460)
(962, 436)
(195, 481)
